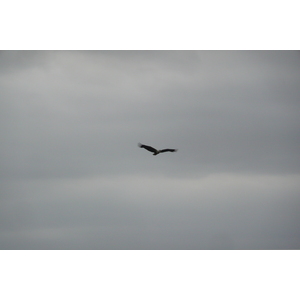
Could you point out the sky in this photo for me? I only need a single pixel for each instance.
(73, 177)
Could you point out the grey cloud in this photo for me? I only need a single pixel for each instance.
(72, 176)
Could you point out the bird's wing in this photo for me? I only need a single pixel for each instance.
(151, 149)
(167, 150)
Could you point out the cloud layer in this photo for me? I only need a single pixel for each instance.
(72, 176)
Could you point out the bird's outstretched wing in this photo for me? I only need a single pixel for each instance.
(167, 150)
(149, 148)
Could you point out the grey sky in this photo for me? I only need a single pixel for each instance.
(72, 176)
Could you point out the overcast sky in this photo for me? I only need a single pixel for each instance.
(73, 177)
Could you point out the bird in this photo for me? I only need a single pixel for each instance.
(155, 151)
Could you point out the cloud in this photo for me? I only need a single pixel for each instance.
(73, 176)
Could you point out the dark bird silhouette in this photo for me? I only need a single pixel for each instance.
(155, 151)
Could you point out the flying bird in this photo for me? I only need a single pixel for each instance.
(155, 151)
